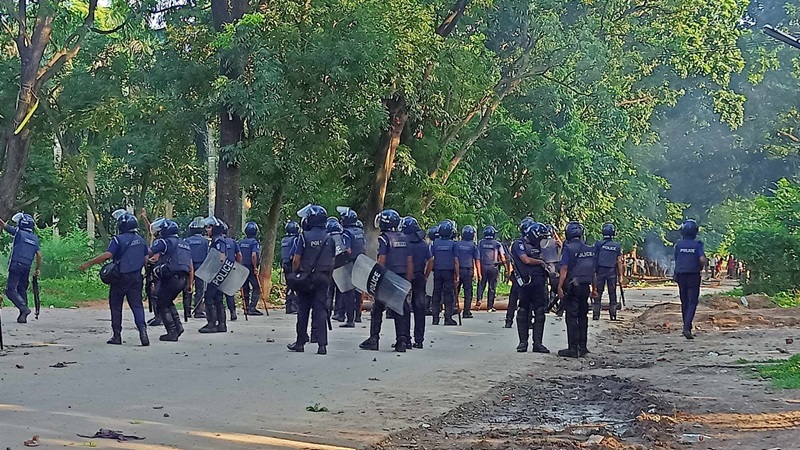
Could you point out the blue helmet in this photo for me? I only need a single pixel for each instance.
(170, 229)
(535, 232)
(251, 229)
(347, 215)
(26, 223)
(573, 230)
(292, 228)
(127, 223)
(387, 220)
(315, 216)
(433, 233)
(446, 229)
(359, 224)
(468, 233)
(609, 230)
(525, 223)
(196, 226)
(689, 229)
(218, 227)
(489, 232)
(551, 230)
(333, 225)
(409, 225)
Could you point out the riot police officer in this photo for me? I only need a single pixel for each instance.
(492, 256)
(292, 231)
(129, 251)
(433, 234)
(532, 295)
(420, 255)
(215, 309)
(24, 250)
(358, 246)
(513, 296)
(251, 256)
(608, 269)
(469, 267)
(198, 242)
(232, 253)
(393, 254)
(690, 258)
(342, 251)
(174, 271)
(314, 251)
(360, 298)
(575, 286)
(445, 273)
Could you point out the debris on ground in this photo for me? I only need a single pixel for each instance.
(32, 442)
(316, 408)
(62, 365)
(105, 433)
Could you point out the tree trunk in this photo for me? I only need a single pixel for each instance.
(268, 242)
(211, 147)
(384, 162)
(91, 186)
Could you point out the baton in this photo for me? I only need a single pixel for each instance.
(36, 300)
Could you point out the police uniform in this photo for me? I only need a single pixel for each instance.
(287, 252)
(467, 256)
(358, 246)
(336, 298)
(199, 248)
(687, 274)
(578, 258)
(23, 252)
(513, 296)
(394, 246)
(444, 256)
(172, 271)
(491, 252)
(607, 253)
(231, 253)
(129, 250)
(314, 245)
(215, 309)
(248, 247)
(420, 255)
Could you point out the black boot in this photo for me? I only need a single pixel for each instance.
(169, 324)
(322, 350)
(143, 338)
(572, 350)
(254, 312)
(400, 346)
(467, 315)
(583, 332)
(522, 330)
(435, 319)
(211, 317)
(116, 338)
(155, 321)
(296, 346)
(23, 314)
(370, 344)
(221, 326)
(176, 317)
(538, 335)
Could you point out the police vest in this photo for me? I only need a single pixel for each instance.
(687, 256)
(466, 254)
(523, 270)
(25, 246)
(339, 250)
(287, 245)
(535, 252)
(248, 246)
(397, 253)
(444, 254)
(489, 251)
(178, 255)
(318, 247)
(358, 244)
(130, 259)
(607, 252)
(230, 248)
(580, 269)
(419, 253)
(199, 246)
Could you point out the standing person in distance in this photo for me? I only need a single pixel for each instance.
(358, 246)
(608, 269)
(513, 296)
(690, 258)
(394, 255)
(232, 253)
(215, 309)
(314, 254)
(445, 273)
(198, 242)
(433, 234)
(174, 271)
(251, 256)
(492, 256)
(129, 250)
(24, 251)
(575, 286)
(292, 231)
(342, 251)
(420, 255)
(469, 267)
(527, 254)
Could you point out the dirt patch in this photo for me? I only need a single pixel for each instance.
(667, 317)
(724, 302)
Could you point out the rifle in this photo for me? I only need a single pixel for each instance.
(187, 304)
(244, 303)
(621, 289)
(515, 269)
(36, 300)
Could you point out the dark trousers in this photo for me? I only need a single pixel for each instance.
(196, 297)
(314, 305)
(513, 296)
(402, 324)
(169, 288)
(576, 306)
(444, 292)
(251, 289)
(17, 286)
(128, 287)
(418, 306)
(689, 288)
(349, 304)
(606, 276)
(465, 283)
(489, 275)
(291, 296)
(213, 296)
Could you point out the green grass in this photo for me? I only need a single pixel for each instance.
(735, 292)
(70, 292)
(786, 299)
(785, 375)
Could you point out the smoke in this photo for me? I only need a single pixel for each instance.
(655, 250)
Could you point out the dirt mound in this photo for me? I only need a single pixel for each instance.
(724, 302)
(667, 316)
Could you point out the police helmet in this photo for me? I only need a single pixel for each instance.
(170, 229)
(446, 229)
(525, 223)
(551, 230)
(689, 229)
(127, 223)
(315, 216)
(409, 225)
(387, 220)
(535, 232)
(609, 230)
(292, 228)
(468, 233)
(433, 233)
(573, 230)
(157, 225)
(347, 215)
(489, 232)
(251, 229)
(26, 223)
(359, 224)
(333, 225)
(116, 214)
(196, 226)
(218, 227)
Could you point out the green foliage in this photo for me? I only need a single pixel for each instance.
(785, 375)
(71, 292)
(787, 299)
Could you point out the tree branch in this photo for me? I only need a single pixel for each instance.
(565, 85)
(70, 48)
(449, 24)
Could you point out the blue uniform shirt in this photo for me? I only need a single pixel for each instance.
(467, 254)
(219, 244)
(445, 253)
(687, 256)
(231, 248)
(248, 246)
(132, 259)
